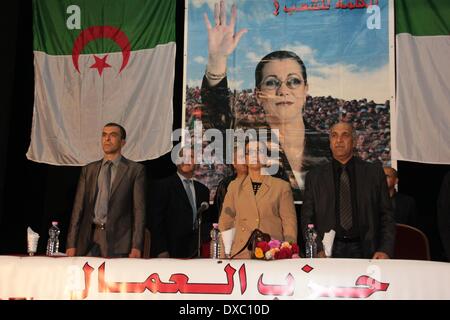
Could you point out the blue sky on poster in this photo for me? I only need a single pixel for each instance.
(343, 57)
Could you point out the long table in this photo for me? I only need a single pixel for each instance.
(160, 279)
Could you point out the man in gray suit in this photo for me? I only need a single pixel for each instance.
(108, 216)
(349, 196)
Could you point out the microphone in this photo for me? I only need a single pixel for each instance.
(203, 207)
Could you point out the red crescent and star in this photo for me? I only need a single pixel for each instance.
(100, 32)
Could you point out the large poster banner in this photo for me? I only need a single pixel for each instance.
(295, 67)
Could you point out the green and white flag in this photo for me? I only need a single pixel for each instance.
(97, 62)
(422, 119)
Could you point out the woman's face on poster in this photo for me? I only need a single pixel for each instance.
(283, 91)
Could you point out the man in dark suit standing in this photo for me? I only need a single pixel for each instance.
(174, 203)
(403, 205)
(108, 216)
(349, 196)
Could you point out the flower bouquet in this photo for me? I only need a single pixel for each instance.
(275, 250)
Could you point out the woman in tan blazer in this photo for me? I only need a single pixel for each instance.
(258, 202)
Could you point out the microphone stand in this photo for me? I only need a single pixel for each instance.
(199, 224)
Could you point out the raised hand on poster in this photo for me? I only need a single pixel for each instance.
(222, 40)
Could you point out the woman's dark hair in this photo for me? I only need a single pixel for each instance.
(278, 55)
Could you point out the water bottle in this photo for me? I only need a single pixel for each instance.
(53, 239)
(310, 242)
(214, 249)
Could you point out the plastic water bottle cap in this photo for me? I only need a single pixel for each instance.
(310, 225)
(215, 225)
(55, 223)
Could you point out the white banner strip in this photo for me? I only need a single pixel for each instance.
(206, 279)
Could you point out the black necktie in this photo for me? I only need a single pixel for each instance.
(345, 200)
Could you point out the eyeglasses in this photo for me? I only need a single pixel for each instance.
(273, 83)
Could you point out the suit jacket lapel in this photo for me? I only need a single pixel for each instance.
(330, 186)
(197, 195)
(329, 191)
(359, 172)
(121, 169)
(249, 195)
(93, 176)
(265, 186)
(182, 190)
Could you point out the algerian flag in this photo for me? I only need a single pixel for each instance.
(423, 81)
(97, 62)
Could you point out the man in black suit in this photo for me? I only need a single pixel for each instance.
(174, 203)
(403, 205)
(349, 196)
(108, 216)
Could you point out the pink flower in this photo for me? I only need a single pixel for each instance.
(274, 243)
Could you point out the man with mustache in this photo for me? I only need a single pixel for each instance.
(351, 197)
